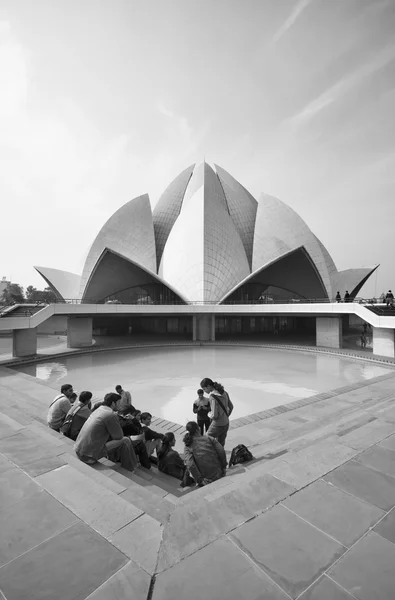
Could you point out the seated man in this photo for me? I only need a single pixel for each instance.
(131, 427)
(124, 405)
(59, 407)
(102, 436)
(153, 439)
(77, 415)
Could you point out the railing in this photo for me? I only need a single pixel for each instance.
(20, 310)
(383, 310)
(28, 310)
(270, 300)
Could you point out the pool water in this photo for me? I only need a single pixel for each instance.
(164, 381)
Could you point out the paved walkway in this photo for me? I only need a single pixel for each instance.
(312, 518)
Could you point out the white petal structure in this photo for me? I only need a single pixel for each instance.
(168, 208)
(128, 233)
(207, 240)
(279, 229)
(351, 280)
(204, 256)
(65, 285)
(242, 209)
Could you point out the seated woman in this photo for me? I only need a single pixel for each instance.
(169, 461)
(204, 456)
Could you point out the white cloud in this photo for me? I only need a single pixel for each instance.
(288, 23)
(343, 86)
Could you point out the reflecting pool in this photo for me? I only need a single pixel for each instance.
(164, 381)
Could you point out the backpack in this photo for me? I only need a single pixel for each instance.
(67, 423)
(240, 454)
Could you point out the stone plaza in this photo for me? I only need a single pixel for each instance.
(311, 517)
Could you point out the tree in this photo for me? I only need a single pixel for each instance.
(45, 296)
(48, 296)
(13, 293)
(31, 292)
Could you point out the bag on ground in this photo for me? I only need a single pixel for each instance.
(240, 454)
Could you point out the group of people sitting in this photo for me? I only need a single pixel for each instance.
(115, 429)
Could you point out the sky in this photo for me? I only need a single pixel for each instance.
(104, 100)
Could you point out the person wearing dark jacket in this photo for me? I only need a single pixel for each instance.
(201, 408)
(153, 439)
(204, 457)
(389, 298)
(79, 413)
(169, 461)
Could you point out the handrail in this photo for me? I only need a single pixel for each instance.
(140, 302)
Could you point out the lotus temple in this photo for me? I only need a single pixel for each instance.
(208, 240)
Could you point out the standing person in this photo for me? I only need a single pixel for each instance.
(59, 407)
(201, 408)
(78, 414)
(338, 297)
(124, 405)
(204, 456)
(389, 298)
(363, 340)
(102, 436)
(221, 408)
(346, 297)
(153, 439)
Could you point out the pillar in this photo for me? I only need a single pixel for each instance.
(205, 328)
(383, 342)
(212, 328)
(79, 332)
(194, 328)
(24, 342)
(329, 332)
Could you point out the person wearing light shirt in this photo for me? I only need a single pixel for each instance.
(59, 407)
(102, 436)
(124, 405)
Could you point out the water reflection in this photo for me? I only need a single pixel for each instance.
(165, 382)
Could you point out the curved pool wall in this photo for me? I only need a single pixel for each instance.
(165, 383)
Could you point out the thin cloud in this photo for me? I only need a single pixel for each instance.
(288, 23)
(343, 86)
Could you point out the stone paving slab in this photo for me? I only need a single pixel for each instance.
(363, 482)
(381, 459)
(72, 564)
(129, 582)
(89, 500)
(340, 515)
(15, 486)
(301, 468)
(325, 589)
(367, 570)
(292, 552)
(30, 522)
(386, 527)
(389, 443)
(193, 525)
(140, 541)
(369, 434)
(217, 572)
(160, 510)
